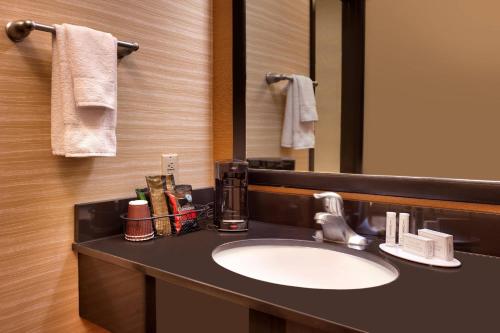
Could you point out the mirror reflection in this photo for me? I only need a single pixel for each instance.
(430, 90)
(278, 41)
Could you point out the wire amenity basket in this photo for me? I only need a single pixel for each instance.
(141, 229)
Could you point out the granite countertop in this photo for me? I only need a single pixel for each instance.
(422, 299)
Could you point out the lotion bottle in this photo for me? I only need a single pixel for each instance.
(404, 226)
(390, 228)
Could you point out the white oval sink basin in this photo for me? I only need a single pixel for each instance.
(304, 264)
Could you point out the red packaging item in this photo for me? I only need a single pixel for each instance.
(180, 203)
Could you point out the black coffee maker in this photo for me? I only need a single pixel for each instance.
(231, 195)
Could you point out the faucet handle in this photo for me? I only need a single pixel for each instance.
(332, 202)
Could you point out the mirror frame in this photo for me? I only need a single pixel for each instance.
(350, 178)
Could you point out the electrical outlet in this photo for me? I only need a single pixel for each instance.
(169, 165)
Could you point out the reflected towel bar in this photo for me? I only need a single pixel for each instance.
(20, 29)
(275, 77)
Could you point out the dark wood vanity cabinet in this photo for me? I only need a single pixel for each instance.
(125, 300)
(116, 298)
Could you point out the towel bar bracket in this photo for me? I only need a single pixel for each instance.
(18, 30)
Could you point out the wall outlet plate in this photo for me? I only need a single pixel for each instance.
(169, 165)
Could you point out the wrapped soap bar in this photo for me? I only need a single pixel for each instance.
(421, 246)
(443, 243)
(157, 186)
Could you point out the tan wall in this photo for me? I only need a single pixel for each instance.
(277, 40)
(164, 105)
(328, 92)
(432, 88)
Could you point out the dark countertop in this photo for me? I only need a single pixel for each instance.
(422, 299)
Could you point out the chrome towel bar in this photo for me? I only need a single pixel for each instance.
(20, 29)
(276, 77)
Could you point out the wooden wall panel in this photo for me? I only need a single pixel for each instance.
(164, 105)
(223, 79)
(277, 40)
(387, 199)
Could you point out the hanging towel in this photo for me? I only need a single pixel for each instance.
(83, 112)
(300, 114)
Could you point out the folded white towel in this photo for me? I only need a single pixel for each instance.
(307, 98)
(84, 66)
(300, 114)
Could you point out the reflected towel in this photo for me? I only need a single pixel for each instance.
(83, 112)
(300, 114)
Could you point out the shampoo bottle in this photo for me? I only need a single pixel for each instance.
(390, 228)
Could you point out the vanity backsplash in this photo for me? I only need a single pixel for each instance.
(473, 232)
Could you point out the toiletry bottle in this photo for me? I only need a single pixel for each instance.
(390, 228)
(404, 226)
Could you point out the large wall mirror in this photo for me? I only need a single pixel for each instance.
(406, 88)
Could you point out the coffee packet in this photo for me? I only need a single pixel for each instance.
(157, 186)
(181, 205)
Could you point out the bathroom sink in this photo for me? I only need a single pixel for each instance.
(305, 264)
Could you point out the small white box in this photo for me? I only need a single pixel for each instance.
(418, 245)
(443, 243)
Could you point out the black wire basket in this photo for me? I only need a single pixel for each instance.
(141, 229)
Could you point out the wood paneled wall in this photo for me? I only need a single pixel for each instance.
(277, 40)
(223, 79)
(387, 199)
(164, 105)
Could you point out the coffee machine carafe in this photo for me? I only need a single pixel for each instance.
(231, 197)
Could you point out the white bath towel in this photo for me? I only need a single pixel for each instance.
(300, 114)
(84, 83)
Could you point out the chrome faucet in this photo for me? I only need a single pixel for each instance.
(335, 228)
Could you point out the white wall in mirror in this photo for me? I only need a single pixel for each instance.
(432, 88)
(328, 93)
